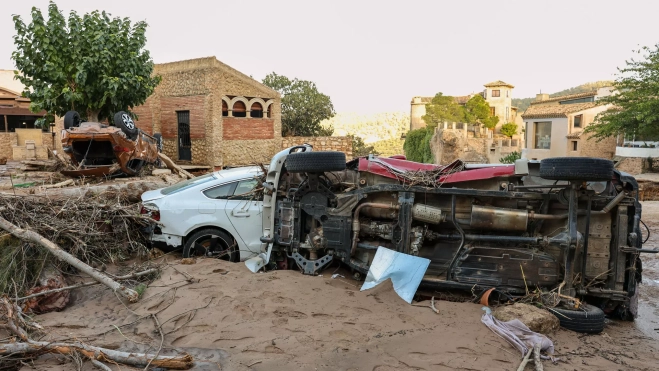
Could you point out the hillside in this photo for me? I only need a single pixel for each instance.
(371, 128)
(523, 103)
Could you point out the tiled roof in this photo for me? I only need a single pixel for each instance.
(555, 110)
(459, 100)
(576, 135)
(494, 84)
(567, 97)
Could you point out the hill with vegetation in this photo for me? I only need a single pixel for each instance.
(523, 103)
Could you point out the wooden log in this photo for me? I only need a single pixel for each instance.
(170, 164)
(58, 185)
(59, 253)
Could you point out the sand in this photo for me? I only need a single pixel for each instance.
(285, 320)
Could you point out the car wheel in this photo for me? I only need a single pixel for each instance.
(576, 168)
(212, 242)
(315, 162)
(159, 142)
(71, 120)
(123, 121)
(589, 319)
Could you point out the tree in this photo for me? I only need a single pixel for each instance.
(303, 107)
(94, 64)
(477, 110)
(634, 108)
(359, 148)
(510, 158)
(417, 145)
(442, 108)
(509, 129)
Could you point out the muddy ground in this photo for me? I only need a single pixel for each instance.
(232, 319)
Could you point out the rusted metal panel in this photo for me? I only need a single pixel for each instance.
(486, 217)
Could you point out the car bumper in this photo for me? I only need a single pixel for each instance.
(163, 241)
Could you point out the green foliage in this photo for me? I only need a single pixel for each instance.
(635, 107)
(359, 148)
(20, 265)
(509, 129)
(94, 64)
(140, 289)
(442, 108)
(303, 107)
(510, 158)
(417, 145)
(476, 110)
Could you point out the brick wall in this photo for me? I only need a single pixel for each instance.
(169, 118)
(144, 117)
(243, 128)
(341, 144)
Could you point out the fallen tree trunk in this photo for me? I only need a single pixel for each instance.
(170, 164)
(58, 185)
(183, 362)
(59, 253)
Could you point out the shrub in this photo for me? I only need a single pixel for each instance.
(510, 158)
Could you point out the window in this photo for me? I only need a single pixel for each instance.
(575, 146)
(239, 109)
(225, 109)
(178, 187)
(542, 131)
(256, 110)
(244, 190)
(496, 93)
(507, 93)
(221, 192)
(577, 121)
(493, 111)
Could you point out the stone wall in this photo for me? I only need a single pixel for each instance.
(6, 143)
(637, 165)
(340, 144)
(590, 147)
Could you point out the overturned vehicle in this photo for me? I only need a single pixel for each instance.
(97, 149)
(570, 226)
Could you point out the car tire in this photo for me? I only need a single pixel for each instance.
(589, 319)
(200, 242)
(125, 122)
(159, 142)
(315, 162)
(576, 168)
(71, 120)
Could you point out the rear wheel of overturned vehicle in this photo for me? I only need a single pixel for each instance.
(589, 319)
(71, 120)
(211, 242)
(576, 168)
(123, 121)
(315, 162)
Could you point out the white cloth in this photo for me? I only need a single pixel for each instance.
(518, 334)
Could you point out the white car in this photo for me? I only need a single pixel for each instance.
(217, 214)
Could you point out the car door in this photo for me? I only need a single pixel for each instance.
(244, 209)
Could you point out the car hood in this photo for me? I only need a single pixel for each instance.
(152, 195)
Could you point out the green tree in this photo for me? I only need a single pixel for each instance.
(509, 129)
(442, 108)
(477, 110)
(94, 64)
(510, 158)
(417, 145)
(359, 148)
(635, 106)
(303, 107)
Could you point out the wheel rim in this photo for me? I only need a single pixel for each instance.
(128, 121)
(211, 246)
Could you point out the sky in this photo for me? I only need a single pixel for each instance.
(374, 56)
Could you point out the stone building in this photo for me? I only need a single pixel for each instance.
(19, 137)
(211, 114)
(497, 94)
(554, 126)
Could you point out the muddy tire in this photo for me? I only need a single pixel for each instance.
(589, 319)
(125, 122)
(211, 242)
(576, 168)
(71, 120)
(315, 162)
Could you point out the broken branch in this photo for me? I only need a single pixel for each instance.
(59, 253)
(525, 360)
(432, 305)
(170, 164)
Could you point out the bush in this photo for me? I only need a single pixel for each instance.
(510, 158)
(417, 145)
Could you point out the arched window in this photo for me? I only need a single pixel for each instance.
(268, 113)
(256, 110)
(225, 108)
(239, 109)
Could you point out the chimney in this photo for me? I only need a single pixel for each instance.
(541, 97)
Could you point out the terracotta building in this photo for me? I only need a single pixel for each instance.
(211, 114)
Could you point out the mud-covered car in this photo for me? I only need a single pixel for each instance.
(566, 228)
(97, 149)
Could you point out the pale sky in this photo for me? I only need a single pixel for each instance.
(374, 56)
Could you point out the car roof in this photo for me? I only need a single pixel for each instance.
(238, 173)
